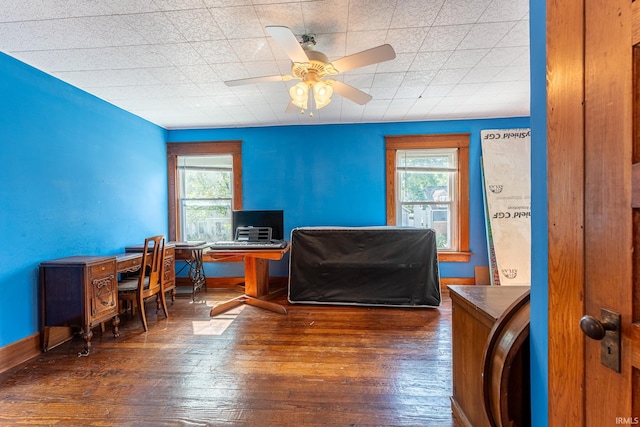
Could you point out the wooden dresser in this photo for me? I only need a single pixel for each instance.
(475, 311)
(77, 291)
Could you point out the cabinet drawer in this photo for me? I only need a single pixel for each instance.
(103, 269)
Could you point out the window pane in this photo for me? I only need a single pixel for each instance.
(206, 194)
(436, 217)
(431, 158)
(421, 186)
(208, 220)
(208, 177)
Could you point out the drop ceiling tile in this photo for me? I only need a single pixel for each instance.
(429, 61)
(216, 51)
(154, 27)
(406, 40)
(363, 40)
(450, 76)
(317, 20)
(401, 63)
(418, 78)
(381, 92)
(505, 10)
(227, 3)
(467, 58)
(215, 88)
(262, 68)
(481, 74)
(179, 4)
(228, 100)
(20, 10)
(128, 6)
(517, 36)
(238, 22)
(409, 92)
(445, 38)
(513, 73)
(359, 81)
(502, 56)
(252, 50)
(437, 90)
(485, 35)
(461, 12)
(180, 54)
(195, 24)
(104, 78)
(101, 31)
(281, 14)
(415, 13)
(391, 80)
(230, 71)
(334, 45)
(366, 15)
(169, 75)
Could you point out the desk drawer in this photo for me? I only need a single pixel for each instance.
(129, 265)
(103, 269)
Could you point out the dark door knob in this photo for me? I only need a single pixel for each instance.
(595, 329)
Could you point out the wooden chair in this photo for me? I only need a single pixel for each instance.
(149, 282)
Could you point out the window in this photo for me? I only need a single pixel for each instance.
(428, 187)
(204, 188)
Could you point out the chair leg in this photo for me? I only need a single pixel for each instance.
(163, 300)
(143, 313)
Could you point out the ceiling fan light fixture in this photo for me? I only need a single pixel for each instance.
(322, 94)
(299, 94)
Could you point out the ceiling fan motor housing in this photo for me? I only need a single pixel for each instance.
(314, 70)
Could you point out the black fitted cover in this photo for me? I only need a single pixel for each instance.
(390, 266)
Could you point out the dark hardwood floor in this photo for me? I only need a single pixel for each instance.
(316, 366)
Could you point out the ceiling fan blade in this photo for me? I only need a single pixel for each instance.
(364, 58)
(287, 41)
(350, 92)
(251, 80)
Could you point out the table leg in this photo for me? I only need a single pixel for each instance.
(256, 288)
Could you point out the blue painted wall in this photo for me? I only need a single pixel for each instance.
(79, 176)
(335, 175)
(539, 232)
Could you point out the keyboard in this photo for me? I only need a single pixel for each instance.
(248, 245)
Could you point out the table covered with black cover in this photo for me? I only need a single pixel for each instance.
(377, 266)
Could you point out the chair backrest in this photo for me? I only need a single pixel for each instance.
(152, 268)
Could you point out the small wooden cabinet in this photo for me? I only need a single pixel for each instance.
(475, 310)
(77, 292)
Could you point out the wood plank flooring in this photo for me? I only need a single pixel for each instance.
(316, 366)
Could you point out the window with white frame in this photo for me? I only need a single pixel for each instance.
(206, 196)
(427, 187)
(426, 192)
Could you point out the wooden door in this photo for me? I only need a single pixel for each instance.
(590, 134)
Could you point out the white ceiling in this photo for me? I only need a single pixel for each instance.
(166, 60)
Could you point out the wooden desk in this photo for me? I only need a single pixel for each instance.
(475, 310)
(256, 277)
(82, 291)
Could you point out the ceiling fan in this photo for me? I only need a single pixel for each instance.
(311, 67)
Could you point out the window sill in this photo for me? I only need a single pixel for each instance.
(454, 256)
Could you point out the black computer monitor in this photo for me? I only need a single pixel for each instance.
(264, 218)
